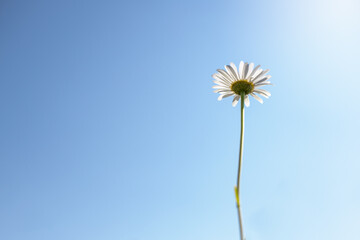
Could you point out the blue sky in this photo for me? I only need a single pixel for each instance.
(110, 129)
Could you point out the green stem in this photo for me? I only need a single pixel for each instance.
(237, 190)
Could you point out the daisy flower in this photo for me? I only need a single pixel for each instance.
(245, 80)
(241, 83)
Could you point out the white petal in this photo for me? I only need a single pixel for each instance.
(241, 69)
(247, 101)
(262, 92)
(260, 75)
(224, 86)
(263, 79)
(246, 70)
(231, 72)
(225, 78)
(256, 74)
(235, 100)
(220, 77)
(224, 96)
(225, 75)
(221, 83)
(251, 67)
(220, 87)
(223, 91)
(262, 84)
(235, 69)
(257, 98)
(254, 71)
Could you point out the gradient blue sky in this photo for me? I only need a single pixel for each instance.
(110, 129)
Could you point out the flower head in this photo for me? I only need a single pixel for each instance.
(231, 82)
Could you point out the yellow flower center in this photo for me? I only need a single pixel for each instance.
(242, 86)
